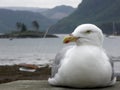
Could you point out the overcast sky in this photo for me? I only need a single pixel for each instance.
(38, 3)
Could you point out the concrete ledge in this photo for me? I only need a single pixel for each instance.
(43, 85)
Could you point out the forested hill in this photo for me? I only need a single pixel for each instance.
(100, 12)
(9, 18)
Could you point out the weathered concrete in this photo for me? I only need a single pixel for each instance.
(43, 85)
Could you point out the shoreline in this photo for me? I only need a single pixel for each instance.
(28, 34)
(12, 73)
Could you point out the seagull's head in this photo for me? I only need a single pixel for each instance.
(86, 34)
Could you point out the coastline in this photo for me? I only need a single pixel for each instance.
(28, 34)
(12, 73)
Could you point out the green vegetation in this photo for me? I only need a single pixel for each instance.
(36, 25)
(23, 32)
(23, 28)
(100, 12)
(27, 34)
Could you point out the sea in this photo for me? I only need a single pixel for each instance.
(41, 51)
(29, 50)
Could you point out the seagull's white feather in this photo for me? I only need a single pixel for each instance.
(58, 60)
(85, 64)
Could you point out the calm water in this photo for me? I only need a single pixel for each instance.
(42, 50)
(35, 51)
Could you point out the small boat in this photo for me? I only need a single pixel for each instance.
(10, 38)
(28, 67)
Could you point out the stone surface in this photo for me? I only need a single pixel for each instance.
(43, 85)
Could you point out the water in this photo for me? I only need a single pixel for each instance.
(42, 50)
(30, 51)
(112, 46)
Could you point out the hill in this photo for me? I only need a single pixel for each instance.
(100, 12)
(58, 12)
(31, 9)
(8, 19)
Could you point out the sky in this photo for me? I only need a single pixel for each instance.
(38, 3)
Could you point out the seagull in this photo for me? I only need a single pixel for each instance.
(85, 64)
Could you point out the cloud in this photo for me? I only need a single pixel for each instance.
(38, 3)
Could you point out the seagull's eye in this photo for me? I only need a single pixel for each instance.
(88, 31)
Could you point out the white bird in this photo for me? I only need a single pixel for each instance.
(84, 65)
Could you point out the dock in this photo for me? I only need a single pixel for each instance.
(43, 85)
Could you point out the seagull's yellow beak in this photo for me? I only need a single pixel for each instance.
(70, 38)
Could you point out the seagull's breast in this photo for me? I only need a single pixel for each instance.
(86, 63)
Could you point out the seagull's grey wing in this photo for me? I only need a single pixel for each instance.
(57, 61)
(112, 64)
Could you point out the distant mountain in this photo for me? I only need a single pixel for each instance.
(31, 9)
(100, 12)
(8, 19)
(58, 12)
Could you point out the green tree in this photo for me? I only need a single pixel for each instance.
(23, 27)
(36, 25)
(18, 25)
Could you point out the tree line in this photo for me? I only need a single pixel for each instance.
(22, 27)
